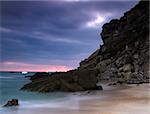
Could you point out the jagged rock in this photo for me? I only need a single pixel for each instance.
(13, 102)
(118, 33)
(126, 41)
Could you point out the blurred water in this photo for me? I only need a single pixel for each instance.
(111, 100)
(10, 84)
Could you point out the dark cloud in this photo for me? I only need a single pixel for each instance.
(54, 33)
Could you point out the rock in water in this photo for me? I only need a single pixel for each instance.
(99, 87)
(13, 102)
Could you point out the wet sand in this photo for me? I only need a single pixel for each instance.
(128, 99)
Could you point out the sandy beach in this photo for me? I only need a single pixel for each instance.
(127, 99)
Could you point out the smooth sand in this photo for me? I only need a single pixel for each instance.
(128, 99)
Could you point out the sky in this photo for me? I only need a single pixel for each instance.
(53, 35)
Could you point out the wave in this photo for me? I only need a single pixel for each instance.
(6, 77)
(64, 102)
(10, 77)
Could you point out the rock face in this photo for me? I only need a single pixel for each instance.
(124, 57)
(13, 102)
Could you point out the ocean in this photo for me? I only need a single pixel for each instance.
(10, 84)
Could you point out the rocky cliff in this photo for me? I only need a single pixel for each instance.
(123, 57)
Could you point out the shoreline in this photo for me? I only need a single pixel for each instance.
(125, 99)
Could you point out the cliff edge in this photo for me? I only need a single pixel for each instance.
(124, 57)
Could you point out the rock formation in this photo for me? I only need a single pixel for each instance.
(74, 80)
(125, 53)
(13, 102)
(124, 57)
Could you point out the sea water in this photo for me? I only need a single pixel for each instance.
(33, 102)
(10, 84)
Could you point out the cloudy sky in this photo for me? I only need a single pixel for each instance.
(53, 35)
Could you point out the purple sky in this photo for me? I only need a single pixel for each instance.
(53, 35)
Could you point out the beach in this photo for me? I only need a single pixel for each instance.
(124, 99)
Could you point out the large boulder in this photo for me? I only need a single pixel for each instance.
(77, 80)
